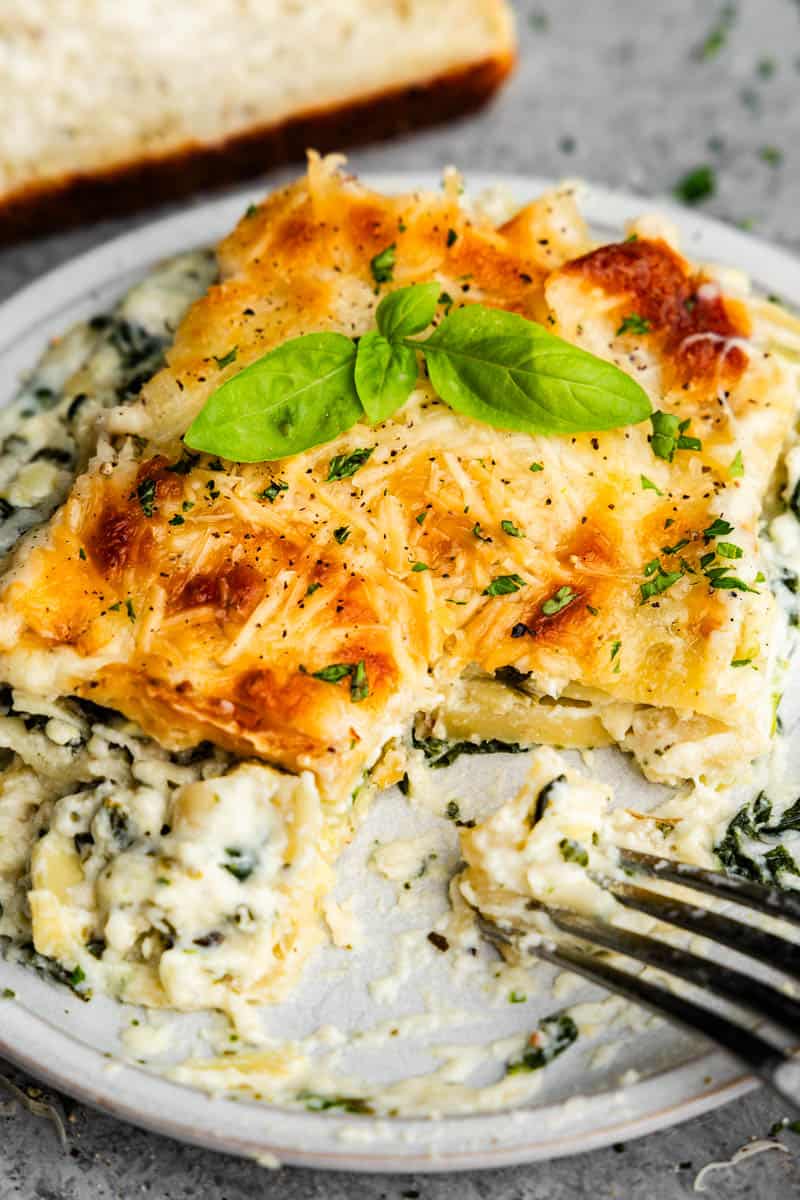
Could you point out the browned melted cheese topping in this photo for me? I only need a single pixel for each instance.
(692, 327)
(200, 607)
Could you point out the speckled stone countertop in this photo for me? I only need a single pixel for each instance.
(631, 95)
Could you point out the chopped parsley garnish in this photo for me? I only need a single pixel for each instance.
(357, 672)
(669, 434)
(536, 466)
(649, 486)
(359, 685)
(741, 662)
(659, 582)
(615, 649)
(177, 520)
(633, 323)
(504, 585)
(420, 517)
(146, 495)
(479, 534)
(674, 549)
(516, 997)
(341, 534)
(226, 359)
(130, 609)
(251, 210)
(572, 851)
(82, 553)
(313, 587)
(718, 528)
(420, 566)
(272, 492)
(718, 579)
(382, 265)
(561, 599)
(77, 977)
(452, 237)
(342, 466)
(696, 185)
(736, 469)
(729, 550)
(510, 528)
(447, 300)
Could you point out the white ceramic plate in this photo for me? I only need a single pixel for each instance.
(69, 1045)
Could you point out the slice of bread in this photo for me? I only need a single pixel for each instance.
(110, 106)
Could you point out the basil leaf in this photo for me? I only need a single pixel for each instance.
(500, 368)
(407, 310)
(385, 375)
(299, 395)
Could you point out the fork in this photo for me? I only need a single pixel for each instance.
(775, 1065)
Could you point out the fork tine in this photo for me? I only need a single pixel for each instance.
(714, 977)
(779, 1069)
(775, 951)
(776, 1067)
(769, 900)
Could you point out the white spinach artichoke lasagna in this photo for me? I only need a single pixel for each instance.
(383, 479)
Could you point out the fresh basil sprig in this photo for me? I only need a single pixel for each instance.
(299, 395)
(488, 364)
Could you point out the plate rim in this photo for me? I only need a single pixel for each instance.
(63, 1062)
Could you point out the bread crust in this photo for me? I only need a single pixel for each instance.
(40, 208)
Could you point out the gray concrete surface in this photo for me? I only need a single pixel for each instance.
(616, 92)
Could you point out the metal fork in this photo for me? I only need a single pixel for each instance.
(776, 1065)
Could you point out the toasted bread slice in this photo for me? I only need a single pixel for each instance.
(110, 107)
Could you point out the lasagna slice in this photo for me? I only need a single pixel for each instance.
(304, 611)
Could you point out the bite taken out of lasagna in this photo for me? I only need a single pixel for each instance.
(432, 571)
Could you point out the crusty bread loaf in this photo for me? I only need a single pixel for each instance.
(110, 105)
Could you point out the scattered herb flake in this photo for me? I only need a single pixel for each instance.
(736, 469)
(504, 585)
(226, 359)
(718, 528)
(382, 265)
(342, 466)
(146, 495)
(633, 323)
(272, 492)
(341, 534)
(696, 185)
(536, 466)
(659, 583)
(649, 486)
(563, 597)
(511, 529)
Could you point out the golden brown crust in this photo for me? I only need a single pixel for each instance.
(693, 329)
(43, 207)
